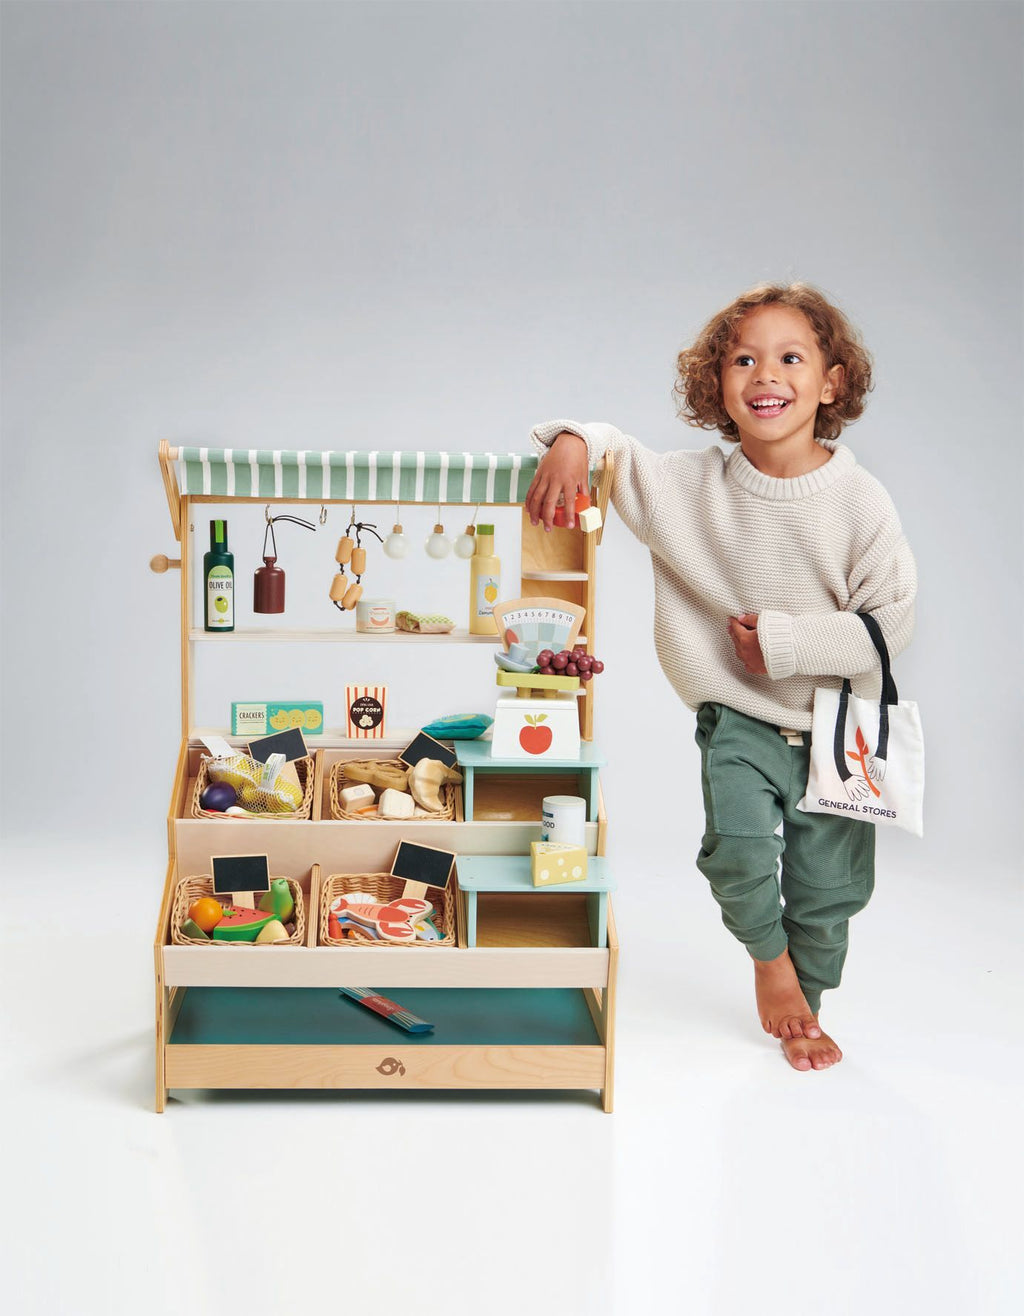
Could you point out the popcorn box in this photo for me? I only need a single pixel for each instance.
(365, 709)
(261, 719)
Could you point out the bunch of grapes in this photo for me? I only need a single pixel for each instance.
(576, 663)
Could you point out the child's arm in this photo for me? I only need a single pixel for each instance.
(638, 475)
(883, 582)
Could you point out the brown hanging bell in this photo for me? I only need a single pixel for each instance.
(268, 587)
(268, 581)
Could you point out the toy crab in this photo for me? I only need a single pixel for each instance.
(391, 922)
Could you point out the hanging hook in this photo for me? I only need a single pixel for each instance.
(367, 525)
(323, 514)
(266, 514)
(269, 532)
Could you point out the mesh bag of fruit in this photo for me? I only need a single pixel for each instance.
(259, 788)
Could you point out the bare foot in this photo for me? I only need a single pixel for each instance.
(781, 1004)
(817, 1053)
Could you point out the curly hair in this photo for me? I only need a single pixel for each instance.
(698, 387)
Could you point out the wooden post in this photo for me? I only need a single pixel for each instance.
(170, 485)
(186, 617)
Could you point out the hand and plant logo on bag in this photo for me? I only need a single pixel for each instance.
(872, 769)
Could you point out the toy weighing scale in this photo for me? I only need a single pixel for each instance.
(536, 717)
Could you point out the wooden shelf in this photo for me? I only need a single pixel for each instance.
(554, 575)
(561, 955)
(270, 634)
(227, 1016)
(226, 1037)
(560, 925)
(330, 738)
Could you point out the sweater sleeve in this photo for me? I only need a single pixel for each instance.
(637, 472)
(883, 582)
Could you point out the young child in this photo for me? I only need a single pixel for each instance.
(762, 557)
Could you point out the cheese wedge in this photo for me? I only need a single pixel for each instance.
(554, 862)
(396, 804)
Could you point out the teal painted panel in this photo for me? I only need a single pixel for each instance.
(319, 1016)
(477, 754)
(512, 873)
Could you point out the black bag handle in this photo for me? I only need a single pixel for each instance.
(889, 696)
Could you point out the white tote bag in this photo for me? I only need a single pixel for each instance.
(867, 758)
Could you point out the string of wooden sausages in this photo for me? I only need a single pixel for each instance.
(350, 553)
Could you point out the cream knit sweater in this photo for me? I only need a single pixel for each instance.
(805, 554)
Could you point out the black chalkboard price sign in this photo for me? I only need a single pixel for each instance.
(289, 743)
(240, 876)
(422, 866)
(426, 747)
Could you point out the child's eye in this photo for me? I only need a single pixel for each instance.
(794, 355)
(743, 358)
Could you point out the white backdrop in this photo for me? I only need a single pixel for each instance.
(431, 225)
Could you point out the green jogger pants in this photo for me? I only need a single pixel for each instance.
(752, 779)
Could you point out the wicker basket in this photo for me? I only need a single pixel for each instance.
(191, 888)
(338, 782)
(305, 773)
(385, 887)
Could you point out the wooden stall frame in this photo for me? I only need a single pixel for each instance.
(320, 846)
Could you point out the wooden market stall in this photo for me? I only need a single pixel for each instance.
(531, 1003)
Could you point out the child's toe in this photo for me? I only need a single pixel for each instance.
(798, 1057)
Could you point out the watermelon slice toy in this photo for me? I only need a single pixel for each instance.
(241, 924)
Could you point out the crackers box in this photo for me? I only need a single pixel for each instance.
(262, 719)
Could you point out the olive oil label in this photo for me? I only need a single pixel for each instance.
(220, 600)
(487, 588)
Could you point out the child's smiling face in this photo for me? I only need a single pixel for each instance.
(774, 379)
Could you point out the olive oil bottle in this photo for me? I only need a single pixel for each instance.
(219, 581)
(484, 583)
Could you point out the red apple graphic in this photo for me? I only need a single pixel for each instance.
(534, 738)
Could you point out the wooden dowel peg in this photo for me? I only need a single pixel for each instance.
(162, 563)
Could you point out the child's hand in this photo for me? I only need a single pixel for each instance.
(561, 473)
(743, 633)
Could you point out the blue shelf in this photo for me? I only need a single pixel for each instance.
(477, 754)
(320, 1016)
(511, 872)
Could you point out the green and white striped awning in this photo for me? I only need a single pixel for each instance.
(405, 477)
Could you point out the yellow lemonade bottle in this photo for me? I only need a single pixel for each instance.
(484, 583)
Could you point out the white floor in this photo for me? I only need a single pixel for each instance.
(724, 1183)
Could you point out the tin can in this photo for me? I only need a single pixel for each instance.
(563, 818)
(375, 616)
